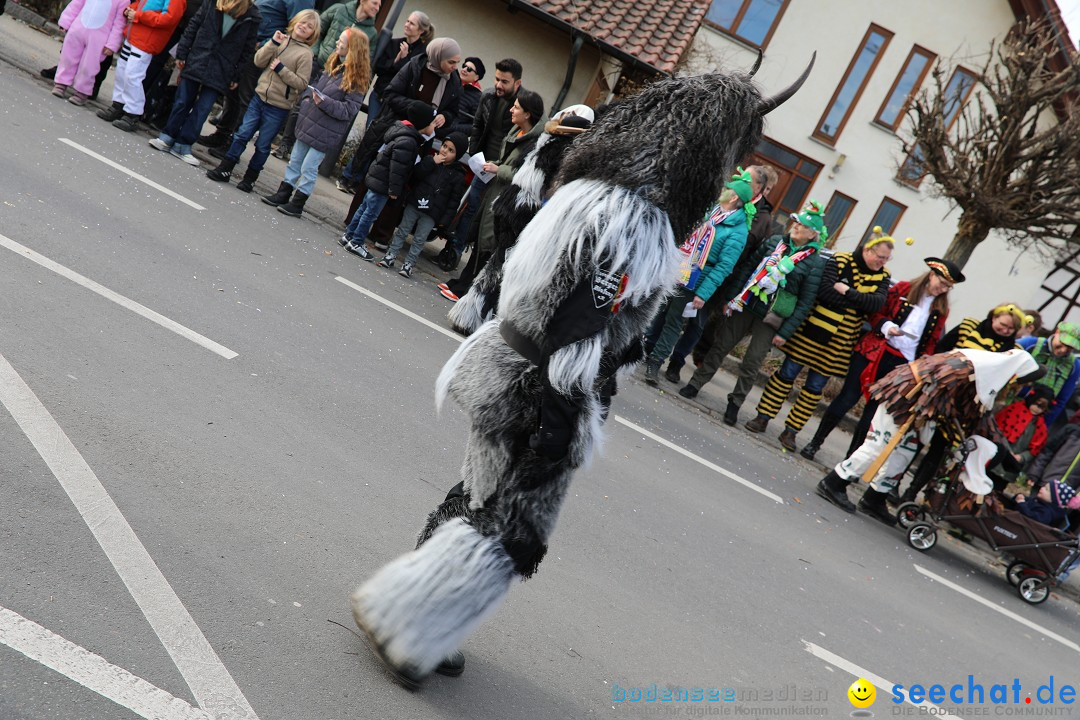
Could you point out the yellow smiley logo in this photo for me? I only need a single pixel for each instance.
(861, 694)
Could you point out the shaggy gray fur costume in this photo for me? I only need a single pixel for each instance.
(579, 290)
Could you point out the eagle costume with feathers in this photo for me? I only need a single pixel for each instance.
(581, 287)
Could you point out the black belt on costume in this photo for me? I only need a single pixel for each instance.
(521, 343)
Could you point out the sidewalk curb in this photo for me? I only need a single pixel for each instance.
(31, 18)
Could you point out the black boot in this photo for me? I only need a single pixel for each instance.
(215, 139)
(126, 122)
(247, 184)
(873, 504)
(731, 413)
(828, 424)
(652, 372)
(223, 171)
(909, 495)
(284, 192)
(672, 372)
(295, 207)
(834, 489)
(111, 113)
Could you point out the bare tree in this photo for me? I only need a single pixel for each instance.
(1010, 158)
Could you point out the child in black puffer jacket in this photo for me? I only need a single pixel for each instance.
(437, 185)
(389, 173)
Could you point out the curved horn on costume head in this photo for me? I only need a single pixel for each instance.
(769, 104)
(757, 63)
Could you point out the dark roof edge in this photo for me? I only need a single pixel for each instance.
(525, 6)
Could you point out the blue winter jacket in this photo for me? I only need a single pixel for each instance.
(276, 15)
(726, 248)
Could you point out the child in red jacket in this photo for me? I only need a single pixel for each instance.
(151, 25)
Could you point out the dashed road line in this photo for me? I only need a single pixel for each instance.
(712, 466)
(876, 680)
(132, 173)
(210, 682)
(1007, 613)
(92, 671)
(618, 418)
(117, 298)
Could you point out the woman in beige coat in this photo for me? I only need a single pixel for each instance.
(288, 58)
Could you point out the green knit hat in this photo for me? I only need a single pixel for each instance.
(741, 183)
(813, 217)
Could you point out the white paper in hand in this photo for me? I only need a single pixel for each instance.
(689, 311)
(476, 164)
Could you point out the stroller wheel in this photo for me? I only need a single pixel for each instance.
(1015, 571)
(922, 536)
(1034, 589)
(909, 513)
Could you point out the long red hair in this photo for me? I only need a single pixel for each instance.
(356, 69)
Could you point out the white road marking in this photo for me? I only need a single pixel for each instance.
(712, 466)
(666, 443)
(209, 680)
(394, 306)
(92, 671)
(876, 680)
(1007, 613)
(117, 298)
(132, 173)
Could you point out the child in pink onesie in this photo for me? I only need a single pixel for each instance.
(94, 30)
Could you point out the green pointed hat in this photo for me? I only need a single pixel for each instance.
(741, 183)
(813, 217)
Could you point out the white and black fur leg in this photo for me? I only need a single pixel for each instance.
(420, 607)
(467, 314)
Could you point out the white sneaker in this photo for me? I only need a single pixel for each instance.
(159, 144)
(187, 157)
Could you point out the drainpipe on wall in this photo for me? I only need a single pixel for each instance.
(575, 50)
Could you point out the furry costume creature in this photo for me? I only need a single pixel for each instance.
(513, 209)
(92, 26)
(580, 289)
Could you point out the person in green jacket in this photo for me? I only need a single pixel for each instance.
(773, 296)
(359, 14)
(719, 240)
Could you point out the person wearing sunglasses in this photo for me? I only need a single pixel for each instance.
(472, 72)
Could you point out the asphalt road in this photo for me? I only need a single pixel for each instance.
(264, 487)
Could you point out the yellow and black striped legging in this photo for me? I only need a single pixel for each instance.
(779, 387)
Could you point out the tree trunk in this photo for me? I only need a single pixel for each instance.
(969, 233)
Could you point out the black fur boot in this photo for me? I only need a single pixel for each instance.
(284, 192)
(828, 424)
(295, 207)
(247, 184)
(873, 504)
(834, 489)
(223, 171)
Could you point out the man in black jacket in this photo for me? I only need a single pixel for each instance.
(490, 125)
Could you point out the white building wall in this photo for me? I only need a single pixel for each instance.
(958, 31)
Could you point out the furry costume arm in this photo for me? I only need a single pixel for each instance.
(70, 13)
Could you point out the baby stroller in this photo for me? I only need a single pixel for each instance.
(964, 499)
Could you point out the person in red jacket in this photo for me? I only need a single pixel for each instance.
(151, 26)
(907, 327)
